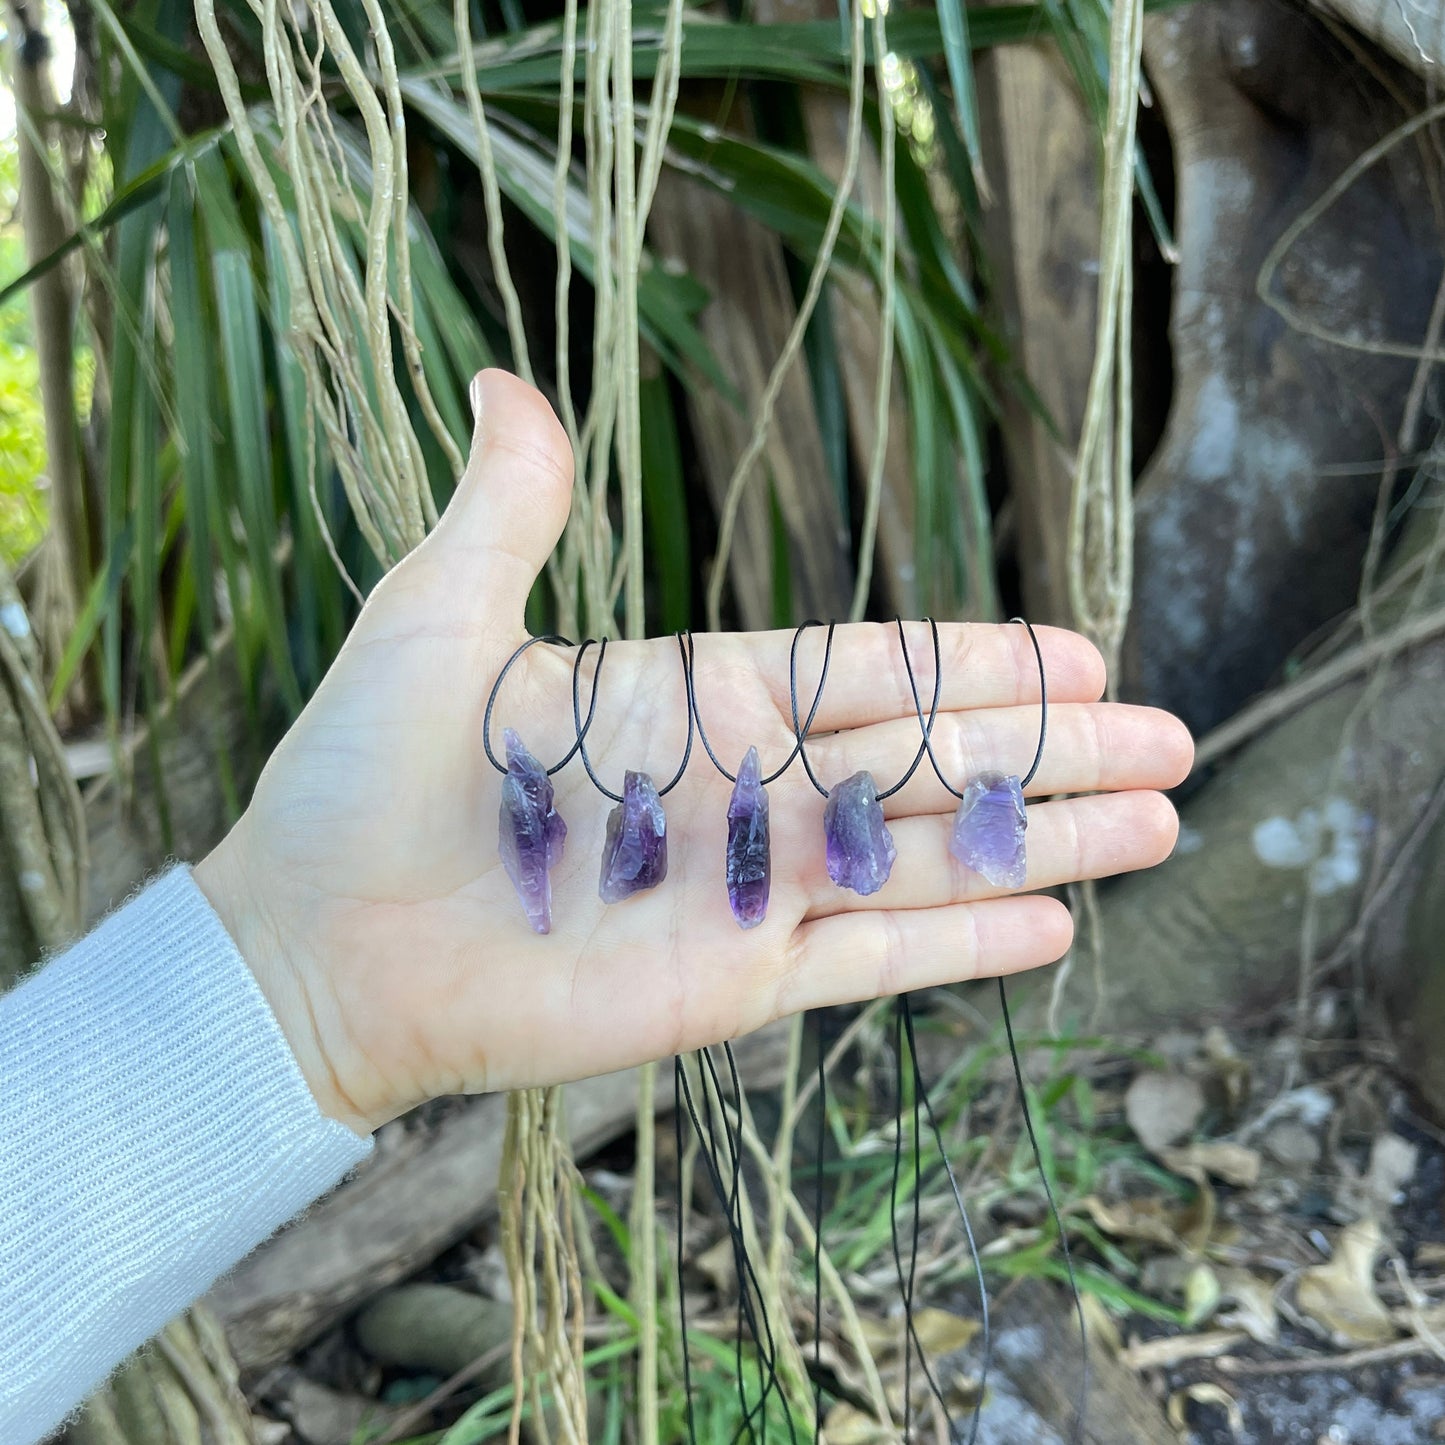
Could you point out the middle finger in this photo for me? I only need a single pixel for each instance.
(1091, 747)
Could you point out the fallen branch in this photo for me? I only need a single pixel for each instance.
(1283, 701)
(1353, 1360)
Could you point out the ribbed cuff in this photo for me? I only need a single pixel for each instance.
(154, 1128)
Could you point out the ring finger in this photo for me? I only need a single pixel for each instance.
(1074, 838)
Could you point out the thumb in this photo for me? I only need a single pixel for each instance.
(512, 501)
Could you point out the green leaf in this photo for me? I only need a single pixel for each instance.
(238, 322)
(664, 501)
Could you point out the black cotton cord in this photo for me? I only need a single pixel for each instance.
(926, 746)
(761, 1334)
(818, 1234)
(918, 702)
(903, 1019)
(1028, 777)
(1053, 1210)
(983, 1308)
(702, 731)
(1024, 781)
(560, 641)
(904, 1280)
(734, 1137)
(582, 731)
(681, 1217)
(748, 1284)
(799, 730)
(707, 1139)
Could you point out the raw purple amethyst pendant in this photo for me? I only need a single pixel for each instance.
(749, 857)
(860, 847)
(532, 832)
(988, 830)
(634, 856)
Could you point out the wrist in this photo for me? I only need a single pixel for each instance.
(229, 887)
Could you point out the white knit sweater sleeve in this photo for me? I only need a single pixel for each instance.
(154, 1128)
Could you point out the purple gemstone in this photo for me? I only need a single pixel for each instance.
(860, 847)
(988, 830)
(750, 862)
(634, 856)
(532, 832)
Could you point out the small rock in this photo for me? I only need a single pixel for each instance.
(1163, 1108)
(1392, 1167)
(1292, 1145)
(321, 1416)
(435, 1328)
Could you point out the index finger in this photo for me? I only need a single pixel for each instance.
(983, 665)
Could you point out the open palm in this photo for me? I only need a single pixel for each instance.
(364, 885)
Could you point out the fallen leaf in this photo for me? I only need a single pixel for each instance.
(941, 1333)
(1142, 1219)
(1162, 1108)
(1254, 1309)
(1201, 1295)
(1205, 1392)
(1230, 1070)
(1340, 1296)
(1234, 1163)
(845, 1424)
(718, 1265)
(1170, 1350)
(884, 1337)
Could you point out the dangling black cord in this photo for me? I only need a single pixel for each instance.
(710, 1163)
(581, 747)
(762, 1337)
(1027, 778)
(731, 1199)
(903, 1026)
(818, 1236)
(734, 1137)
(983, 1307)
(681, 1218)
(905, 1282)
(1054, 1211)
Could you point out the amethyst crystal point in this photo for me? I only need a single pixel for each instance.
(988, 830)
(532, 832)
(634, 856)
(750, 861)
(860, 847)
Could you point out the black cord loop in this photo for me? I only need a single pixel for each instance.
(927, 727)
(926, 745)
(800, 730)
(702, 731)
(800, 747)
(582, 728)
(501, 767)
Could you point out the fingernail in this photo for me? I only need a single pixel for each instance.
(476, 394)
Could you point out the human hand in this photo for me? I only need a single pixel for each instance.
(363, 884)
